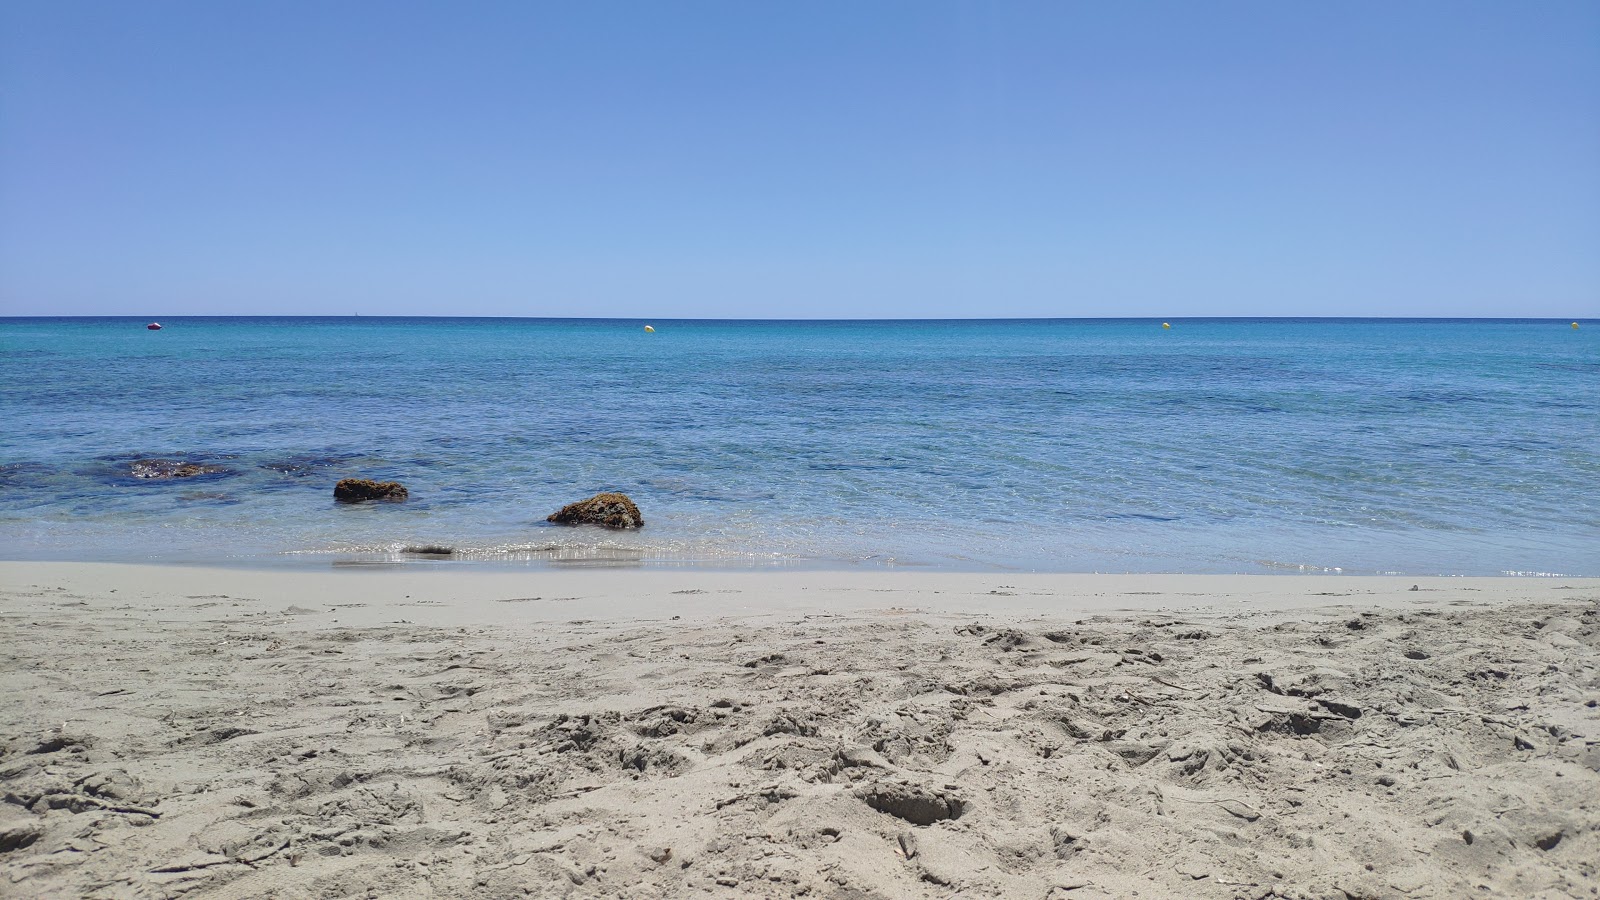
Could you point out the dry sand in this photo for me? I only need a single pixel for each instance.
(459, 732)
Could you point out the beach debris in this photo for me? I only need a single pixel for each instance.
(916, 805)
(169, 468)
(608, 510)
(355, 490)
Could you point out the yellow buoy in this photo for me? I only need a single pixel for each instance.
(1574, 324)
(1166, 324)
(650, 329)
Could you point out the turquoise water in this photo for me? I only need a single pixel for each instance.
(1227, 445)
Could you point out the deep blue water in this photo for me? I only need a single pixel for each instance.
(1226, 445)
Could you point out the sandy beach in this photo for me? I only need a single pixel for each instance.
(458, 731)
(839, 451)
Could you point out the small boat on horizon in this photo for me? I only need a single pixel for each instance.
(154, 326)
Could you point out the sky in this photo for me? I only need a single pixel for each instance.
(831, 159)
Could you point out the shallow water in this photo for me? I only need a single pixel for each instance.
(1459, 447)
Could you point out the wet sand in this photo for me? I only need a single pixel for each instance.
(456, 731)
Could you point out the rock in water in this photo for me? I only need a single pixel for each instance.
(607, 510)
(169, 468)
(355, 490)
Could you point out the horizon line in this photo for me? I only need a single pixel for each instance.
(1149, 318)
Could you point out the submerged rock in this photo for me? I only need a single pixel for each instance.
(605, 510)
(169, 468)
(355, 490)
(428, 550)
(303, 466)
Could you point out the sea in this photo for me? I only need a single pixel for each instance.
(1355, 446)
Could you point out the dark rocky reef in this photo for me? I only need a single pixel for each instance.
(170, 468)
(355, 490)
(605, 510)
(17, 473)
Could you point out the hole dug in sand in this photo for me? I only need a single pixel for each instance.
(916, 805)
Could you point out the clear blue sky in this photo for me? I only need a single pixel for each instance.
(814, 159)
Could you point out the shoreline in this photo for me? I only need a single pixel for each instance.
(450, 595)
(422, 557)
(840, 735)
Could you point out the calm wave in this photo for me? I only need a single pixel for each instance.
(1360, 446)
